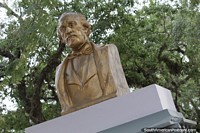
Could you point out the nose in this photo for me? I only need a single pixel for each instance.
(68, 30)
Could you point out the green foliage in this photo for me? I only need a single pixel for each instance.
(13, 121)
(158, 44)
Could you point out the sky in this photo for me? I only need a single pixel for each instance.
(10, 104)
(3, 17)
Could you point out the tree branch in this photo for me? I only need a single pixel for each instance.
(51, 66)
(39, 81)
(55, 97)
(195, 108)
(6, 54)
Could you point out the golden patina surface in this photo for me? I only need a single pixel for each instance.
(89, 74)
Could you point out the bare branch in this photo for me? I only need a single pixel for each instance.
(195, 108)
(2, 5)
(6, 54)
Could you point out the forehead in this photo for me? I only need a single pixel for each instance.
(66, 18)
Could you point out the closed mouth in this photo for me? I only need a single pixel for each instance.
(70, 36)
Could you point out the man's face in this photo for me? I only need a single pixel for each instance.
(72, 31)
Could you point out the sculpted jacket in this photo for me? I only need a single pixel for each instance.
(88, 79)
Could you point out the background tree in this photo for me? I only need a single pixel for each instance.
(158, 43)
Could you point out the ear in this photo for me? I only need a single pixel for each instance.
(88, 32)
(87, 29)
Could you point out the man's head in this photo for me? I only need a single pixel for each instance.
(73, 29)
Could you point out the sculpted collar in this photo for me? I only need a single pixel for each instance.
(85, 50)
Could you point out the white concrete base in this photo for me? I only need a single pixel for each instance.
(110, 113)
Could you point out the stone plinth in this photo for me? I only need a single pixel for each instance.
(110, 113)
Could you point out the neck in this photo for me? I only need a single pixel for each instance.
(82, 47)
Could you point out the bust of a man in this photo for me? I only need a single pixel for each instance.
(89, 74)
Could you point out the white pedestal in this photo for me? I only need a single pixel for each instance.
(110, 113)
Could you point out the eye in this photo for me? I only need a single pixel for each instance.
(72, 24)
(62, 28)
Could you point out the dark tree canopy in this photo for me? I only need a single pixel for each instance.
(158, 43)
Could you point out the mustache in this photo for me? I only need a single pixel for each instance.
(67, 36)
(70, 35)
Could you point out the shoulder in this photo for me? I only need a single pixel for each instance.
(111, 46)
(61, 64)
(106, 47)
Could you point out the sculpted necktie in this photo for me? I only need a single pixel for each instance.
(86, 51)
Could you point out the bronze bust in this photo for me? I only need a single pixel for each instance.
(89, 74)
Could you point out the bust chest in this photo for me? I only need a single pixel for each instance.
(82, 79)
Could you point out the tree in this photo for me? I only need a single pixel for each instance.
(157, 44)
(160, 46)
